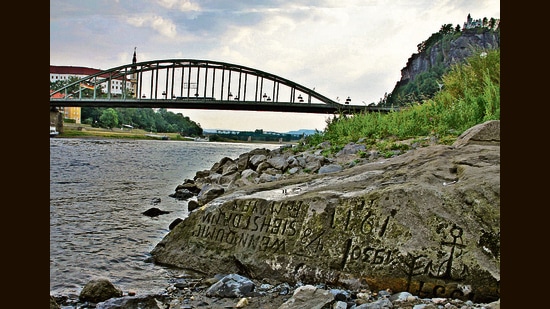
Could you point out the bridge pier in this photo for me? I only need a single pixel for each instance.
(56, 119)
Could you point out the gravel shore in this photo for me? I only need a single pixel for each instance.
(192, 293)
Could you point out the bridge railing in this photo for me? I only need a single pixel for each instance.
(188, 78)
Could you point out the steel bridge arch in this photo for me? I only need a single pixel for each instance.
(134, 73)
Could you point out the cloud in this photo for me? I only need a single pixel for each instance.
(343, 48)
(181, 5)
(163, 26)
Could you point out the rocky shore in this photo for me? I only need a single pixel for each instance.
(235, 291)
(464, 182)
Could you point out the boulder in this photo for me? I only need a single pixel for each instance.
(189, 185)
(330, 168)
(99, 290)
(182, 194)
(487, 133)
(308, 297)
(220, 165)
(174, 223)
(426, 222)
(209, 192)
(256, 159)
(192, 205)
(232, 285)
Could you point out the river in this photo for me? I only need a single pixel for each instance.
(99, 189)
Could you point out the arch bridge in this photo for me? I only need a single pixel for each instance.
(196, 84)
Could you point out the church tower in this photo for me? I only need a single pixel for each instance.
(133, 79)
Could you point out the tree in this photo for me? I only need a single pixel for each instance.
(492, 23)
(58, 84)
(446, 29)
(74, 90)
(109, 118)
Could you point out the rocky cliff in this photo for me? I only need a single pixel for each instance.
(426, 221)
(447, 52)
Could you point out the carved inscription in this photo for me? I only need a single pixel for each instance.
(352, 238)
(365, 254)
(431, 290)
(360, 219)
(311, 240)
(255, 225)
(361, 223)
(446, 269)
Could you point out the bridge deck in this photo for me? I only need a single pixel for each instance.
(314, 108)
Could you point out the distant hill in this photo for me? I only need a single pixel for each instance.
(302, 131)
(296, 132)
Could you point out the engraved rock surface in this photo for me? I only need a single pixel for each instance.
(426, 222)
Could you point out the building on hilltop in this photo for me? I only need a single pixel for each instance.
(479, 23)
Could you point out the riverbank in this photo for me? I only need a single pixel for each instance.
(193, 293)
(196, 291)
(77, 130)
(85, 131)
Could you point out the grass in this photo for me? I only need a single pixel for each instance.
(85, 130)
(470, 95)
(75, 130)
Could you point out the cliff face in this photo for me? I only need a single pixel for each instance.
(427, 222)
(449, 52)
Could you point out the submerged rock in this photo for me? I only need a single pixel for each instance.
(154, 212)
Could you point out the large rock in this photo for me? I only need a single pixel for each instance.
(134, 302)
(209, 192)
(308, 297)
(98, 290)
(426, 222)
(232, 285)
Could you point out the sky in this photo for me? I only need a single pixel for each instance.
(342, 48)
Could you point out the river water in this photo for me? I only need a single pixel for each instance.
(98, 191)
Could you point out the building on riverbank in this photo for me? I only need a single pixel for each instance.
(65, 73)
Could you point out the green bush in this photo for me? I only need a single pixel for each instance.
(470, 95)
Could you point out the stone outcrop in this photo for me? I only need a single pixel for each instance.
(426, 68)
(261, 166)
(449, 53)
(426, 221)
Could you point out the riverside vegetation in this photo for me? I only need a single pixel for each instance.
(470, 95)
(372, 223)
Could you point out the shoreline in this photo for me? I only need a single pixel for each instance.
(86, 131)
(192, 293)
